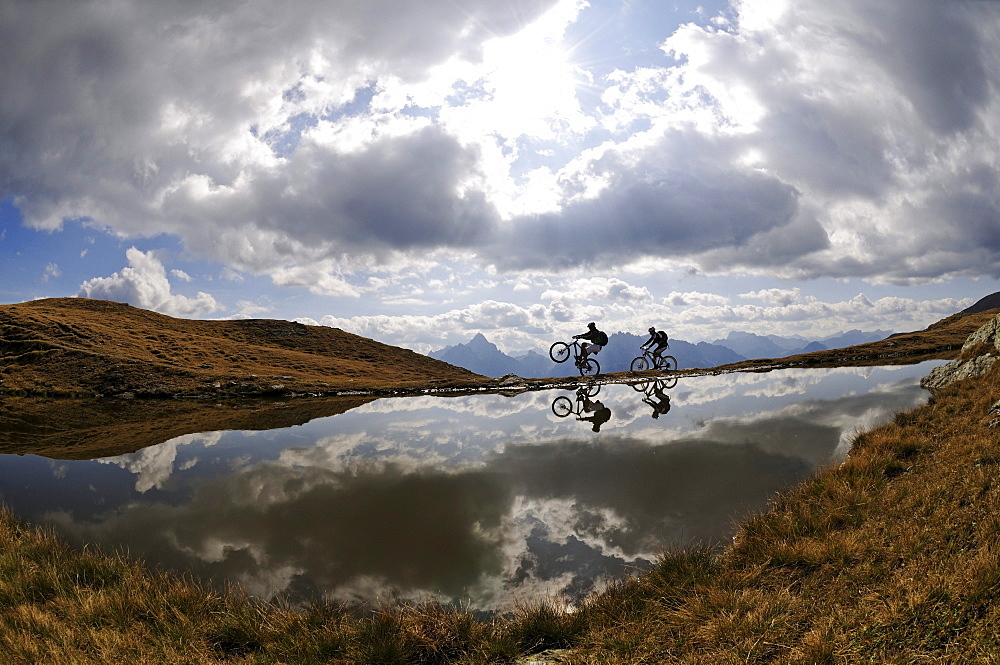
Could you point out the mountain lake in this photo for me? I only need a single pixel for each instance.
(482, 501)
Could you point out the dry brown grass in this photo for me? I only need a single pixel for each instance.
(77, 346)
(941, 340)
(62, 606)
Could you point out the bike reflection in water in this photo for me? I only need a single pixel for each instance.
(656, 395)
(563, 406)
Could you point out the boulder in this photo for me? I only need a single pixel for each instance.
(979, 352)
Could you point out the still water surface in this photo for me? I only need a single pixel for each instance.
(481, 500)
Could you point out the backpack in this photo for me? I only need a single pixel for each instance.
(601, 338)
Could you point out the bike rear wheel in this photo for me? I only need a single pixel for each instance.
(667, 363)
(559, 352)
(590, 367)
(562, 406)
(642, 386)
(640, 364)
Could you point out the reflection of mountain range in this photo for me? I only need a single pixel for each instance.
(483, 357)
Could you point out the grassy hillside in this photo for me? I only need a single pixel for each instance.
(76, 346)
(941, 340)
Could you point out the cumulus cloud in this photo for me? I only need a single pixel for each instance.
(144, 284)
(780, 297)
(51, 270)
(276, 138)
(513, 325)
(867, 137)
(663, 204)
(565, 307)
(165, 116)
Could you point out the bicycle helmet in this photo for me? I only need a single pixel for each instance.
(652, 329)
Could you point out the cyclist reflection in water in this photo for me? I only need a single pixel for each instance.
(662, 403)
(602, 414)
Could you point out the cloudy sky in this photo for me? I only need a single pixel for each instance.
(418, 171)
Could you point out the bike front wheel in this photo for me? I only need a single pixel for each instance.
(667, 363)
(559, 352)
(590, 367)
(640, 364)
(562, 406)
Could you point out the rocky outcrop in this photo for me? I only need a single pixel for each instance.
(980, 351)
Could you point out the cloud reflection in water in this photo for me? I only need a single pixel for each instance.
(481, 499)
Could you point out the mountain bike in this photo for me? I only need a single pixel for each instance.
(563, 406)
(648, 361)
(560, 352)
(649, 386)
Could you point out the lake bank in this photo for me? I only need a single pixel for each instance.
(886, 557)
(474, 501)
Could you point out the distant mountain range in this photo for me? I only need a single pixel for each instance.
(751, 346)
(483, 357)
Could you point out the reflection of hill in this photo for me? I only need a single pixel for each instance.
(91, 428)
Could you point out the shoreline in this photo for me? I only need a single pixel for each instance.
(888, 557)
(78, 348)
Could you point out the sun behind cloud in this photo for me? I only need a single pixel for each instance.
(532, 80)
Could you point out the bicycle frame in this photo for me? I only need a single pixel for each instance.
(648, 361)
(561, 351)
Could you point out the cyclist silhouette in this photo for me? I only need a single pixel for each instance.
(657, 338)
(598, 340)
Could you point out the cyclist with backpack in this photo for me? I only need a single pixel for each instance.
(657, 338)
(597, 338)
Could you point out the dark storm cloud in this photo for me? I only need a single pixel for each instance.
(653, 208)
(835, 139)
(936, 52)
(107, 104)
(875, 113)
(398, 193)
